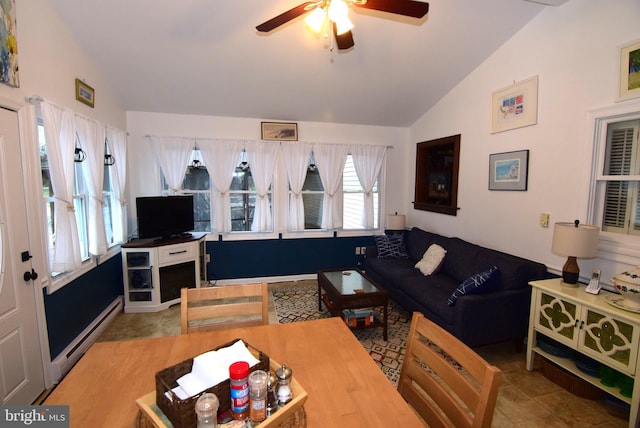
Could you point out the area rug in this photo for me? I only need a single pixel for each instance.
(298, 301)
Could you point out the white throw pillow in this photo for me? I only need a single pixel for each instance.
(431, 260)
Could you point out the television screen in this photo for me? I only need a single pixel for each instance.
(164, 216)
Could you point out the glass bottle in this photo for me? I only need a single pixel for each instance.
(258, 395)
(272, 394)
(239, 388)
(207, 410)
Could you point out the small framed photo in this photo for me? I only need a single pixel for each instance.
(515, 106)
(85, 93)
(280, 131)
(629, 71)
(509, 170)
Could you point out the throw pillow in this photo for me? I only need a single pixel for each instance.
(431, 260)
(391, 247)
(478, 283)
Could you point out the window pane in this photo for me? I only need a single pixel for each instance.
(312, 209)
(243, 180)
(196, 179)
(242, 210)
(202, 212)
(312, 181)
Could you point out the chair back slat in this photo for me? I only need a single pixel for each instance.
(444, 380)
(221, 307)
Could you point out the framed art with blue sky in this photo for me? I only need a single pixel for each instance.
(509, 170)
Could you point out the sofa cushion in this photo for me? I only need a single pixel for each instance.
(431, 292)
(389, 273)
(417, 241)
(479, 283)
(431, 260)
(391, 247)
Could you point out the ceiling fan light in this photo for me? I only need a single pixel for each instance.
(315, 20)
(343, 25)
(338, 10)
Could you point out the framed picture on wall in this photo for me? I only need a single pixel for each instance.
(515, 106)
(629, 86)
(280, 131)
(509, 170)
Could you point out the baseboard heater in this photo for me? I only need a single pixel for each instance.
(72, 353)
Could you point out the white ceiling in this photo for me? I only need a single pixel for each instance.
(205, 57)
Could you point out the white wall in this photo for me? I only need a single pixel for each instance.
(143, 175)
(574, 51)
(50, 60)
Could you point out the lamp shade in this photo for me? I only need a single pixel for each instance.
(575, 241)
(396, 221)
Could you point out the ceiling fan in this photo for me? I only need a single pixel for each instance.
(334, 13)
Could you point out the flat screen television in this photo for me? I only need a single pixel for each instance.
(164, 216)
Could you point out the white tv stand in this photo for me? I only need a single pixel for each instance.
(154, 271)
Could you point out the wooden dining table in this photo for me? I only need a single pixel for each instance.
(345, 387)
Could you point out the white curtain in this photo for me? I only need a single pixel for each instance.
(172, 154)
(221, 158)
(262, 161)
(368, 161)
(330, 159)
(59, 133)
(92, 139)
(296, 159)
(117, 140)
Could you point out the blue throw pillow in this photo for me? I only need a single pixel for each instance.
(478, 283)
(391, 247)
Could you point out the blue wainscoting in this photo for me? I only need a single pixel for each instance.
(73, 307)
(281, 257)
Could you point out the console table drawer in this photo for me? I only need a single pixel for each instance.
(173, 253)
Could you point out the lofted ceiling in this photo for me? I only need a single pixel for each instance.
(205, 57)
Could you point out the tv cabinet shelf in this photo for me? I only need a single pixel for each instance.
(154, 271)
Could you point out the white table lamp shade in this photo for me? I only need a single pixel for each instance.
(572, 241)
(396, 221)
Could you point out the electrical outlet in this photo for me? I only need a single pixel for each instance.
(363, 250)
(544, 219)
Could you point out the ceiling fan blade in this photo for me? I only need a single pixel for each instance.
(411, 8)
(344, 40)
(285, 17)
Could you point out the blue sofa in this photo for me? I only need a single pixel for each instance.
(501, 313)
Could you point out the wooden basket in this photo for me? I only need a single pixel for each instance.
(569, 381)
(181, 412)
(292, 415)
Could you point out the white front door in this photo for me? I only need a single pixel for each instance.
(21, 371)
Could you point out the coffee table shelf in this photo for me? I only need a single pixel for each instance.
(352, 289)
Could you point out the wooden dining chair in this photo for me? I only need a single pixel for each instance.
(445, 393)
(223, 306)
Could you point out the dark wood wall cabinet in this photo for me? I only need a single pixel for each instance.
(437, 164)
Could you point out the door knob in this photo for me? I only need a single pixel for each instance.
(30, 276)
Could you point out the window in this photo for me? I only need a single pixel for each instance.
(242, 195)
(354, 198)
(618, 185)
(79, 201)
(312, 197)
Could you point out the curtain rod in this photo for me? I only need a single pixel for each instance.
(35, 98)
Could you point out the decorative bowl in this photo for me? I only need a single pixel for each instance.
(628, 284)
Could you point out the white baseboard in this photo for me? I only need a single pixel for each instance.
(72, 353)
(268, 279)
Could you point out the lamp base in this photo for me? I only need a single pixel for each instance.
(570, 272)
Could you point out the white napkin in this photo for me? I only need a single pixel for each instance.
(211, 368)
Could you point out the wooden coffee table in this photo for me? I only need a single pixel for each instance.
(351, 289)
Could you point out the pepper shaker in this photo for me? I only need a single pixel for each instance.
(272, 394)
(284, 374)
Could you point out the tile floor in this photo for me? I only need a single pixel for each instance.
(526, 399)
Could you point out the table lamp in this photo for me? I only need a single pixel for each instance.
(396, 222)
(574, 240)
